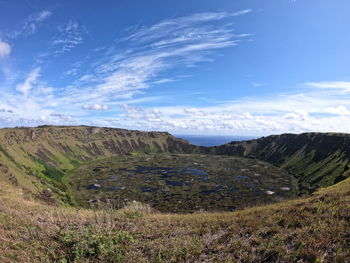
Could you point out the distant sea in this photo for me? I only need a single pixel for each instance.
(212, 140)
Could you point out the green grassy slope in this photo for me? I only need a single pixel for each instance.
(316, 159)
(38, 158)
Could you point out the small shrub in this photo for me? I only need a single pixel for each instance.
(86, 244)
(135, 210)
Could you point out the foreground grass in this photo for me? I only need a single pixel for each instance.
(314, 229)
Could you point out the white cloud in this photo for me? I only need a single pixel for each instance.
(180, 42)
(339, 110)
(297, 115)
(247, 115)
(69, 36)
(176, 42)
(30, 25)
(119, 75)
(252, 116)
(74, 69)
(5, 49)
(256, 84)
(242, 12)
(175, 30)
(162, 81)
(194, 111)
(152, 115)
(43, 15)
(61, 117)
(27, 85)
(95, 106)
(340, 85)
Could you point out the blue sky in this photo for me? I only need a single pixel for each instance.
(244, 67)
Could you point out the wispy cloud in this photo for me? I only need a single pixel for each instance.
(175, 42)
(339, 110)
(124, 73)
(95, 107)
(70, 35)
(162, 81)
(241, 12)
(74, 69)
(180, 29)
(194, 112)
(42, 15)
(31, 24)
(121, 74)
(256, 84)
(339, 85)
(114, 81)
(31, 79)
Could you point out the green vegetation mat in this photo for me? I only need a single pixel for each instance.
(180, 182)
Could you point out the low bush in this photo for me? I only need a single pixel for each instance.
(92, 245)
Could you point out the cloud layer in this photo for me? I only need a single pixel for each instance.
(107, 89)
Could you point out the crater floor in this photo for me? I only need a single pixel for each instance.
(181, 182)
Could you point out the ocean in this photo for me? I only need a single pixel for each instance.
(212, 140)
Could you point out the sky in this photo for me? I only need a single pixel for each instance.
(223, 67)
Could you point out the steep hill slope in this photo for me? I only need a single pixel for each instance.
(37, 158)
(316, 159)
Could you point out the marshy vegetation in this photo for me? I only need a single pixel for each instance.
(181, 182)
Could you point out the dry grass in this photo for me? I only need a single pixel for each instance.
(314, 229)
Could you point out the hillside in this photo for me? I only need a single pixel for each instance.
(316, 159)
(38, 158)
(309, 229)
(313, 229)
